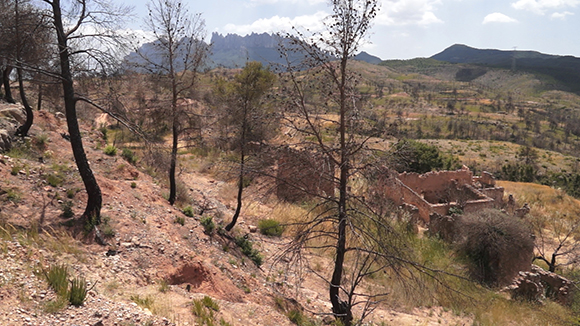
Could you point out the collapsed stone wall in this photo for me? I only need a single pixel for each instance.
(302, 175)
(436, 181)
(437, 192)
(537, 285)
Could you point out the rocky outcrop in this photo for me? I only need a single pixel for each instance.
(11, 117)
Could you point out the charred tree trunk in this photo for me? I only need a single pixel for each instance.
(173, 163)
(92, 213)
(6, 81)
(240, 180)
(341, 309)
(22, 131)
(39, 103)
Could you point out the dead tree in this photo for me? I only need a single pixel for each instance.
(69, 39)
(178, 54)
(322, 86)
(557, 241)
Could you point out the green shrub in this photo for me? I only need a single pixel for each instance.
(413, 156)
(13, 195)
(270, 227)
(104, 131)
(55, 179)
(209, 303)
(188, 211)
(129, 156)
(57, 278)
(78, 291)
(133, 185)
(110, 150)
(208, 224)
(15, 169)
(67, 211)
(179, 220)
(247, 249)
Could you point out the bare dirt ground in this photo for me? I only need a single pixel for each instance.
(150, 256)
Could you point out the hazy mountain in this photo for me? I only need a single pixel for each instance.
(233, 51)
(563, 70)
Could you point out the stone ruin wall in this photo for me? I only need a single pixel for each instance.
(436, 181)
(422, 191)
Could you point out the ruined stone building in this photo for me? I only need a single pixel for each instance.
(437, 192)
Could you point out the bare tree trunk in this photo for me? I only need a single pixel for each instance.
(342, 310)
(240, 191)
(92, 213)
(23, 130)
(173, 163)
(6, 81)
(39, 103)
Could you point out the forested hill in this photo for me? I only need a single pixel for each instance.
(564, 71)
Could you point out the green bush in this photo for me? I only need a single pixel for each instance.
(133, 185)
(78, 291)
(413, 156)
(247, 249)
(129, 156)
(188, 211)
(209, 303)
(67, 211)
(57, 278)
(179, 220)
(270, 227)
(55, 179)
(208, 224)
(110, 150)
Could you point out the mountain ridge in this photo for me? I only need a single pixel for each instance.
(564, 71)
(233, 51)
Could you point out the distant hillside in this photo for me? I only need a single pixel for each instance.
(369, 58)
(562, 71)
(233, 51)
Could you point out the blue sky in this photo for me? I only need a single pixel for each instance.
(407, 29)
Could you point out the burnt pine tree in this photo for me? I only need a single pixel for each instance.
(31, 44)
(81, 13)
(325, 108)
(246, 113)
(178, 54)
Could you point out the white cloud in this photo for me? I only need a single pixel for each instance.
(497, 17)
(276, 24)
(408, 12)
(561, 15)
(541, 6)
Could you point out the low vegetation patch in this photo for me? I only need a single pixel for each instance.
(270, 227)
(247, 249)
